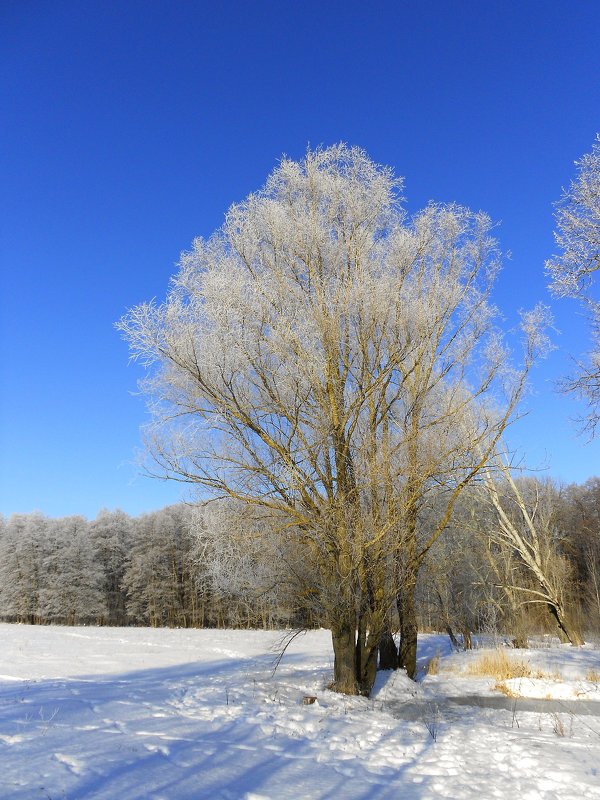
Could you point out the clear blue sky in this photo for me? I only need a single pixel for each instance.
(129, 127)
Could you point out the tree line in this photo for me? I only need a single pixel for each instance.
(520, 558)
(120, 570)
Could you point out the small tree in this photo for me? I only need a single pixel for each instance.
(572, 270)
(254, 574)
(111, 539)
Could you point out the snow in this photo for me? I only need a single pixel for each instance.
(552, 689)
(134, 713)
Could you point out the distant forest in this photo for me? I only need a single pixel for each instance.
(225, 565)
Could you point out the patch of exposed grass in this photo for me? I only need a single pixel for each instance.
(497, 664)
(501, 666)
(553, 676)
(593, 675)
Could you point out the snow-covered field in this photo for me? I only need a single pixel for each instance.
(118, 714)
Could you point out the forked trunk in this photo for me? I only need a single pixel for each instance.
(355, 659)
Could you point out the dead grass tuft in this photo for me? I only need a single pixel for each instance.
(593, 675)
(497, 664)
(433, 665)
(503, 688)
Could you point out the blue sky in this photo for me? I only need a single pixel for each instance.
(129, 128)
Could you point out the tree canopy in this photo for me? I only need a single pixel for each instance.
(326, 357)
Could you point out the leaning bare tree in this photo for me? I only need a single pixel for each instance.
(572, 270)
(525, 527)
(317, 357)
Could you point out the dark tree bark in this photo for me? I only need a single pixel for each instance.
(344, 658)
(567, 631)
(407, 657)
(452, 637)
(388, 652)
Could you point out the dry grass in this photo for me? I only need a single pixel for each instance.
(433, 665)
(503, 688)
(558, 726)
(593, 675)
(497, 664)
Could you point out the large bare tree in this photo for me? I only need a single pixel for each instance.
(327, 358)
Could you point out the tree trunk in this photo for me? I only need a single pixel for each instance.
(343, 636)
(405, 598)
(366, 661)
(452, 637)
(567, 631)
(407, 657)
(355, 660)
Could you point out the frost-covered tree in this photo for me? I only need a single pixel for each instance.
(21, 574)
(159, 576)
(111, 539)
(48, 571)
(572, 270)
(251, 575)
(72, 587)
(327, 358)
(457, 398)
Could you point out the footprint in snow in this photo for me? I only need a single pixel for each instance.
(73, 764)
(158, 748)
(10, 739)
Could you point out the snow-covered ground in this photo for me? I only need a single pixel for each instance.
(118, 714)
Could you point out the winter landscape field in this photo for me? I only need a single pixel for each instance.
(186, 714)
